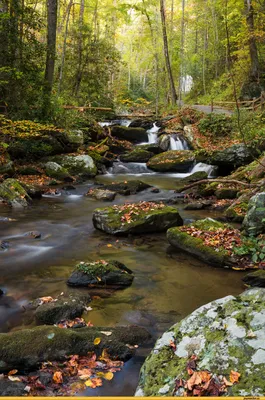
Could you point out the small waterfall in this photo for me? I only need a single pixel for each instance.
(152, 134)
(122, 122)
(209, 169)
(120, 168)
(177, 144)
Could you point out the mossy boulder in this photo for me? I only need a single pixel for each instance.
(6, 165)
(254, 221)
(75, 137)
(126, 188)
(141, 123)
(81, 165)
(231, 158)
(143, 217)
(215, 256)
(152, 148)
(226, 193)
(27, 348)
(174, 160)
(236, 212)
(63, 308)
(13, 193)
(255, 279)
(56, 171)
(101, 273)
(137, 155)
(226, 335)
(101, 194)
(135, 135)
(164, 141)
(195, 177)
(28, 170)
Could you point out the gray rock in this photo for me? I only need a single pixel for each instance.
(102, 194)
(130, 187)
(8, 388)
(56, 171)
(135, 135)
(81, 165)
(254, 221)
(231, 158)
(226, 334)
(12, 192)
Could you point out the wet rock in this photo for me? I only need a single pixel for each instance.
(45, 378)
(25, 349)
(101, 194)
(75, 137)
(256, 278)
(8, 388)
(7, 168)
(137, 155)
(141, 123)
(4, 245)
(56, 171)
(231, 158)
(135, 135)
(152, 148)
(173, 160)
(237, 211)
(82, 165)
(144, 218)
(126, 188)
(226, 193)
(33, 235)
(98, 273)
(155, 190)
(34, 191)
(195, 246)
(68, 187)
(65, 308)
(12, 192)
(28, 170)
(164, 142)
(226, 334)
(198, 205)
(254, 221)
(120, 146)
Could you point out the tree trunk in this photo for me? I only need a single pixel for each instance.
(253, 51)
(64, 46)
(166, 54)
(50, 53)
(80, 49)
(181, 69)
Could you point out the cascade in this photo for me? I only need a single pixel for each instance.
(177, 143)
(129, 168)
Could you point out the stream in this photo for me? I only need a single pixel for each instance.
(168, 284)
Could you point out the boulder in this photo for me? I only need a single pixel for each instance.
(101, 194)
(225, 335)
(214, 256)
(174, 160)
(226, 193)
(63, 308)
(82, 165)
(12, 192)
(28, 170)
(255, 279)
(137, 155)
(27, 348)
(143, 217)
(231, 158)
(141, 123)
(164, 142)
(12, 389)
(75, 137)
(7, 167)
(126, 188)
(101, 273)
(135, 135)
(120, 146)
(56, 171)
(236, 212)
(254, 221)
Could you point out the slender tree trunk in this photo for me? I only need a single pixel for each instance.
(64, 46)
(80, 49)
(166, 54)
(253, 51)
(181, 70)
(50, 53)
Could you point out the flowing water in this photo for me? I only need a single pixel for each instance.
(168, 284)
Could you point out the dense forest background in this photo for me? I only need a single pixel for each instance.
(123, 53)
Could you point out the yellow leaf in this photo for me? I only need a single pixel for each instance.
(109, 376)
(57, 377)
(109, 245)
(97, 341)
(89, 383)
(234, 376)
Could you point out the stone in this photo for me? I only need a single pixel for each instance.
(236, 212)
(141, 123)
(126, 188)
(65, 308)
(143, 217)
(254, 221)
(135, 135)
(173, 160)
(137, 155)
(75, 137)
(7, 167)
(101, 273)
(195, 246)
(226, 334)
(82, 165)
(226, 193)
(27, 348)
(101, 194)
(164, 142)
(152, 148)
(255, 279)
(231, 158)
(13, 193)
(12, 389)
(56, 171)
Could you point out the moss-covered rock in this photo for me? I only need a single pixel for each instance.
(6, 165)
(25, 349)
(236, 212)
(254, 221)
(174, 160)
(135, 135)
(75, 137)
(63, 308)
(101, 194)
(56, 171)
(101, 273)
(226, 334)
(226, 193)
(231, 158)
(255, 279)
(218, 256)
(152, 148)
(13, 193)
(82, 165)
(137, 155)
(28, 170)
(143, 217)
(126, 188)
(164, 141)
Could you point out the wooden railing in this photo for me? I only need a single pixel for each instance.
(252, 105)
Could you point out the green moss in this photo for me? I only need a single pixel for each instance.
(172, 161)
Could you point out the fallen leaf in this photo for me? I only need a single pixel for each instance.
(109, 245)
(57, 377)
(234, 376)
(97, 341)
(106, 333)
(14, 378)
(195, 379)
(12, 372)
(109, 376)
(226, 382)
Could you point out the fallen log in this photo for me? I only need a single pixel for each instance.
(205, 181)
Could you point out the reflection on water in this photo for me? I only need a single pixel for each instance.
(168, 284)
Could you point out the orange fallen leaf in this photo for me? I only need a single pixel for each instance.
(12, 372)
(57, 377)
(109, 245)
(195, 379)
(234, 376)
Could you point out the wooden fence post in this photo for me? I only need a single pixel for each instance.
(211, 105)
